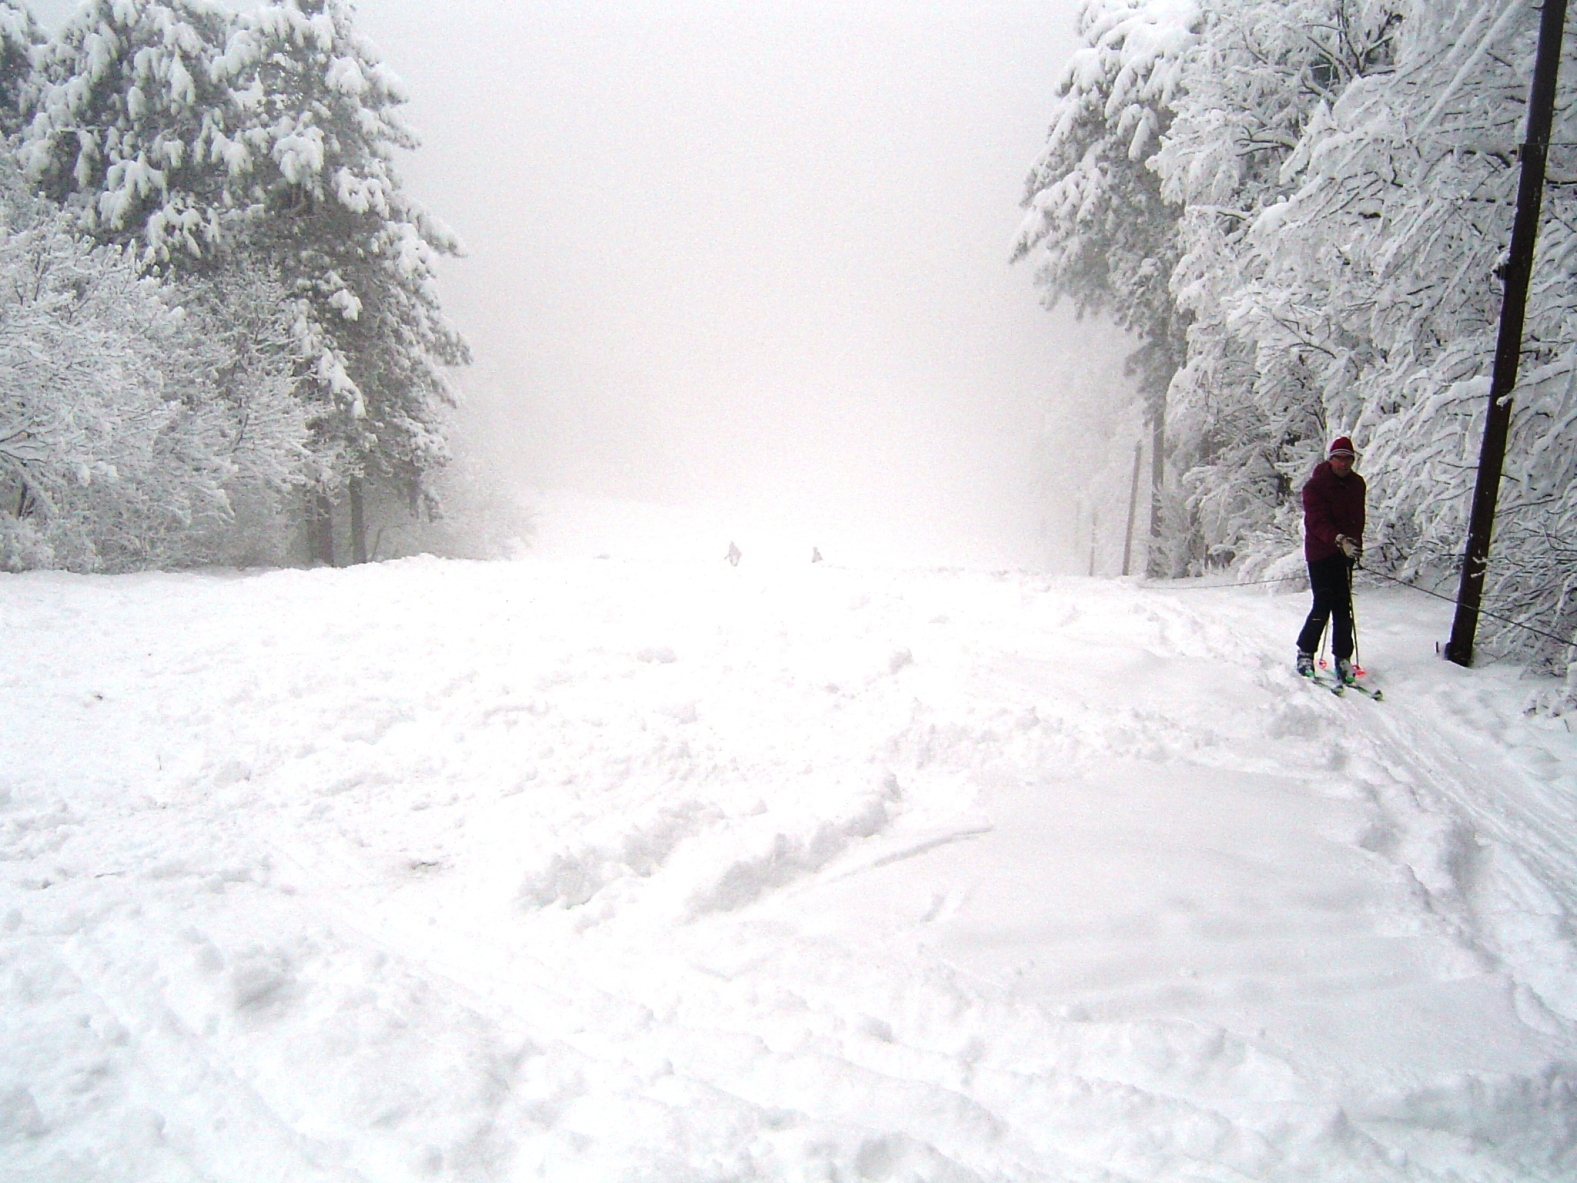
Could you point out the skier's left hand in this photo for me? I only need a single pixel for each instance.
(1350, 547)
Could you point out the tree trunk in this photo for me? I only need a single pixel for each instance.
(358, 523)
(320, 530)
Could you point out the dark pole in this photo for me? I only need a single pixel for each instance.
(1152, 562)
(1508, 348)
(1133, 506)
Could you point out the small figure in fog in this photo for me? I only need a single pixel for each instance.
(733, 556)
(1333, 514)
(815, 554)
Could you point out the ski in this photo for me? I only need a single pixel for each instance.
(1329, 682)
(1324, 683)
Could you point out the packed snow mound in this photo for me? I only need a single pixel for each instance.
(582, 868)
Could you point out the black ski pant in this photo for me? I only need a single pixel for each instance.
(1331, 582)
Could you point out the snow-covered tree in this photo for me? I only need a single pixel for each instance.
(1340, 177)
(312, 160)
(137, 428)
(1250, 422)
(1380, 269)
(20, 38)
(221, 145)
(125, 111)
(1098, 229)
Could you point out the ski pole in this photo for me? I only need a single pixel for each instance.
(1352, 619)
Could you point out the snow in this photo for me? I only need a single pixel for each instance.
(643, 866)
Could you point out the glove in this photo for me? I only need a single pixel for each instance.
(1350, 547)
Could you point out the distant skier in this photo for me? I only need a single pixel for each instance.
(734, 555)
(1333, 518)
(815, 554)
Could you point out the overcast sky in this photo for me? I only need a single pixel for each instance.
(749, 253)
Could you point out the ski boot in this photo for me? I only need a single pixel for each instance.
(1305, 666)
(1344, 672)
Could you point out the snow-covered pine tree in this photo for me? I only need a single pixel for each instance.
(1098, 229)
(222, 146)
(122, 118)
(20, 38)
(311, 160)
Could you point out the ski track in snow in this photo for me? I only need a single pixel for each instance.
(591, 870)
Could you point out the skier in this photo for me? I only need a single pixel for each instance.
(1333, 512)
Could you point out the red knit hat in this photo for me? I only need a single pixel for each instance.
(1342, 444)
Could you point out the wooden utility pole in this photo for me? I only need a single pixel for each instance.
(1133, 505)
(1157, 476)
(1508, 347)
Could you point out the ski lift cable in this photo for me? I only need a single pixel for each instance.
(1370, 571)
(1214, 586)
(1538, 632)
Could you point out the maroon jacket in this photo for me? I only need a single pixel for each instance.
(1331, 506)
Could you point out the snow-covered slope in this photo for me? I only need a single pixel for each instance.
(629, 869)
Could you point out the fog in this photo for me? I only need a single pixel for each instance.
(753, 256)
